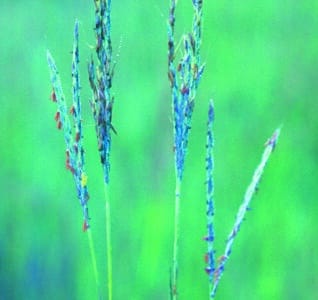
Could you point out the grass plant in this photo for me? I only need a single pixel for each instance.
(100, 78)
(184, 77)
(185, 70)
(75, 159)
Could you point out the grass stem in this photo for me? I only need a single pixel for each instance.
(108, 243)
(174, 276)
(93, 258)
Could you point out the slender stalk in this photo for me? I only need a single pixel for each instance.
(174, 279)
(209, 257)
(93, 258)
(250, 192)
(108, 243)
(100, 78)
(184, 77)
(73, 136)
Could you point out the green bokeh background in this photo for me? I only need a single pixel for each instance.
(261, 70)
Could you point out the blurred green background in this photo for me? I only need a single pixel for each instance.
(261, 70)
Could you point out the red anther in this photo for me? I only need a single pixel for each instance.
(85, 226)
(58, 120)
(59, 125)
(57, 116)
(68, 162)
(184, 90)
(69, 167)
(72, 110)
(206, 258)
(53, 96)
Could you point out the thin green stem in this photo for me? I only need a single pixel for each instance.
(93, 258)
(174, 276)
(108, 243)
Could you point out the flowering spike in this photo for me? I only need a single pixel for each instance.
(269, 148)
(53, 96)
(101, 83)
(184, 83)
(184, 79)
(209, 195)
(74, 160)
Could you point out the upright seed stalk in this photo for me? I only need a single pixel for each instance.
(100, 78)
(184, 80)
(251, 190)
(209, 257)
(75, 161)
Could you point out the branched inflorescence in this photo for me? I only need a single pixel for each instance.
(209, 238)
(100, 78)
(74, 149)
(184, 77)
(251, 189)
(184, 80)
